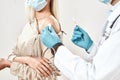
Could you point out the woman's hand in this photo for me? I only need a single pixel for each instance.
(4, 63)
(40, 65)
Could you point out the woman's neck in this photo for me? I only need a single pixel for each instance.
(43, 13)
(114, 2)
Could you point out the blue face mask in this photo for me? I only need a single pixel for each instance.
(105, 1)
(38, 5)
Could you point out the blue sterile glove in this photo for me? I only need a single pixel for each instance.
(49, 37)
(81, 38)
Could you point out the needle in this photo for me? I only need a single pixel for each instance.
(75, 21)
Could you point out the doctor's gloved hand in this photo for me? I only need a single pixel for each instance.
(49, 37)
(81, 38)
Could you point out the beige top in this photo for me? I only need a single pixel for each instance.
(29, 44)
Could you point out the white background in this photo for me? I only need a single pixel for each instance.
(90, 14)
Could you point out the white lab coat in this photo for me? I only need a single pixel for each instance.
(105, 65)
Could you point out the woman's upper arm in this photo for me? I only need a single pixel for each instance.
(54, 23)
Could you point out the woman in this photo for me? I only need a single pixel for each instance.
(30, 59)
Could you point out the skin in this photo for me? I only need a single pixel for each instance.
(4, 63)
(114, 2)
(40, 65)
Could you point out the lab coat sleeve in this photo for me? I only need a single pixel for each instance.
(71, 65)
(92, 51)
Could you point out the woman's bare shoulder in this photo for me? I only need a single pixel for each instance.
(53, 21)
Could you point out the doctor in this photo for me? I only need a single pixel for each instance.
(104, 57)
